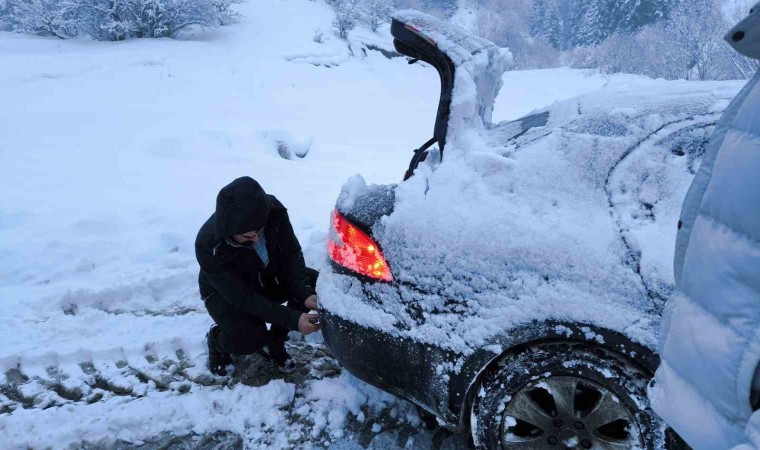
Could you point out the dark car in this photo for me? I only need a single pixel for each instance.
(502, 286)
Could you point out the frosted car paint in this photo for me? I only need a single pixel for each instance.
(410, 369)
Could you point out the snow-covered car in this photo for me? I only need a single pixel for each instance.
(513, 283)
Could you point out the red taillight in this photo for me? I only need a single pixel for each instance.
(353, 249)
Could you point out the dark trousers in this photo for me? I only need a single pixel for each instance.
(239, 333)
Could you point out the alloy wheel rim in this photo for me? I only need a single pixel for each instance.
(566, 412)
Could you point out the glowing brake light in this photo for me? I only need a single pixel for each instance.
(351, 248)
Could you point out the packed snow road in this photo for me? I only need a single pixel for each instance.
(109, 404)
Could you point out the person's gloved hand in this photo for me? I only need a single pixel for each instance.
(305, 326)
(311, 302)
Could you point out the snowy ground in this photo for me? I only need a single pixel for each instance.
(111, 157)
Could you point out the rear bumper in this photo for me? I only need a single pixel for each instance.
(397, 365)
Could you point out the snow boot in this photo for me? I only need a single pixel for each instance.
(217, 360)
(277, 353)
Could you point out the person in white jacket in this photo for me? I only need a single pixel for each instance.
(708, 384)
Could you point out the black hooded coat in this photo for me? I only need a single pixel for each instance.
(236, 273)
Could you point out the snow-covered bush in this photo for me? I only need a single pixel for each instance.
(225, 14)
(376, 12)
(614, 55)
(319, 36)
(345, 17)
(105, 20)
(54, 18)
(115, 20)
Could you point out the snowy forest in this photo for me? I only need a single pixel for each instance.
(671, 39)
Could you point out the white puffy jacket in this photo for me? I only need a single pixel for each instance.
(710, 342)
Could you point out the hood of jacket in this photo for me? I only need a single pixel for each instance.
(241, 206)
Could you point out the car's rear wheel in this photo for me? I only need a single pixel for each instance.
(566, 395)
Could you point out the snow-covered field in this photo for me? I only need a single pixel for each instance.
(111, 155)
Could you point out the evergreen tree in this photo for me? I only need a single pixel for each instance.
(570, 23)
(552, 26)
(555, 21)
(632, 15)
(538, 18)
(567, 24)
(593, 19)
(5, 16)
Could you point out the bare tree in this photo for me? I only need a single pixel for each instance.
(376, 12)
(745, 67)
(696, 27)
(345, 17)
(620, 53)
(224, 12)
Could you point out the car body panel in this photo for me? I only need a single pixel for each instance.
(414, 371)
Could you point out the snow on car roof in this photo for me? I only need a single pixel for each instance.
(455, 41)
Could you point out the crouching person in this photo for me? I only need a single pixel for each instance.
(250, 264)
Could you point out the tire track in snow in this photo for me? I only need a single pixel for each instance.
(99, 381)
(307, 421)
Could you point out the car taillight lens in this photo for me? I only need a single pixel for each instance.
(351, 248)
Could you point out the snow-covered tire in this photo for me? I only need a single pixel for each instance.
(567, 389)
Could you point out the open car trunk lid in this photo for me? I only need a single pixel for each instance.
(460, 58)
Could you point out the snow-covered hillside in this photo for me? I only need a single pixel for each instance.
(111, 156)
